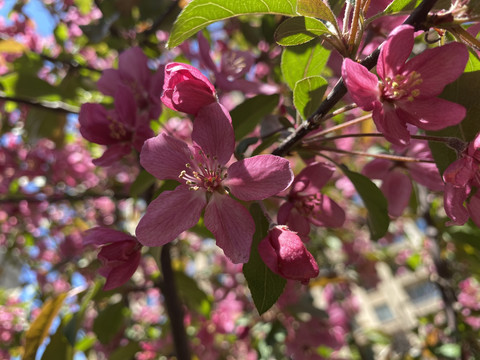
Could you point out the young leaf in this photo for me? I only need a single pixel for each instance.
(374, 201)
(58, 347)
(299, 30)
(248, 114)
(317, 9)
(265, 286)
(463, 91)
(38, 330)
(308, 94)
(198, 14)
(301, 61)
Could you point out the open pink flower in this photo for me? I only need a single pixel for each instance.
(307, 205)
(205, 183)
(120, 254)
(460, 178)
(285, 254)
(133, 72)
(186, 89)
(407, 90)
(119, 128)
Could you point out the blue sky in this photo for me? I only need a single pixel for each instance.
(36, 11)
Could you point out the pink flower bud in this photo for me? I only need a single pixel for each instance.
(285, 254)
(120, 254)
(186, 89)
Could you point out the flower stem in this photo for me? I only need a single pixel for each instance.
(443, 139)
(378, 156)
(339, 127)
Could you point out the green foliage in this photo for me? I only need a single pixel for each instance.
(308, 94)
(302, 61)
(463, 91)
(265, 286)
(143, 181)
(374, 201)
(299, 30)
(194, 297)
(198, 14)
(317, 9)
(58, 347)
(247, 115)
(109, 322)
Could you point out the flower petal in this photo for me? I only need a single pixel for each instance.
(395, 51)
(232, 226)
(213, 132)
(473, 207)
(132, 64)
(119, 275)
(438, 67)
(362, 85)
(113, 153)
(397, 188)
(453, 200)
(165, 156)
(326, 212)
(109, 81)
(393, 128)
(431, 114)
(377, 168)
(312, 178)
(170, 214)
(102, 235)
(258, 177)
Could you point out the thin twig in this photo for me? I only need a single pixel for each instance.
(42, 104)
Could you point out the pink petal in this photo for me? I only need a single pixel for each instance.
(395, 51)
(460, 172)
(438, 67)
(101, 236)
(204, 50)
(109, 82)
(170, 214)
(312, 178)
(432, 113)
(132, 64)
(377, 168)
(326, 212)
(119, 275)
(125, 106)
(427, 175)
(93, 119)
(213, 132)
(284, 212)
(165, 156)
(393, 128)
(113, 154)
(453, 200)
(298, 223)
(473, 207)
(232, 226)
(362, 85)
(258, 177)
(397, 188)
(268, 255)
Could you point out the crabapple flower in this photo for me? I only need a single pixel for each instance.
(119, 128)
(460, 178)
(285, 254)
(186, 89)
(119, 254)
(396, 184)
(205, 183)
(407, 90)
(133, 72)
(307, 205)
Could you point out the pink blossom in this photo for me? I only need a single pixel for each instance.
(407, 90)
(120, 128)
(186, 89)
(285, 254)
(119, 254)
(205, 183)
(396, 183)
(307, 205)
(133, 72)
(460, 178)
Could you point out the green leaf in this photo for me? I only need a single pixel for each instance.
(374, 200)
(58, 347)
(243, 145)
(450, 350)
(194, 297)
(45, 124)
(463, 91)
(308, 94)
(405, 5)
(38, 330)
(198, 14)
(125, 352)
(299, 30)
(143, 181)
(265, 286)
(248, 114)
(301, 61)
(317, 9)
(109, 322)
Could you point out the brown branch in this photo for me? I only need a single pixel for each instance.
(42, 104)
(416, 18)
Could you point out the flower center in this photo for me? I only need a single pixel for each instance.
(204, 172)
(117, 129)
(309, 205)
(401, 87)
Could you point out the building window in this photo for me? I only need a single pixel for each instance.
(383, 313)
(421, 292)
